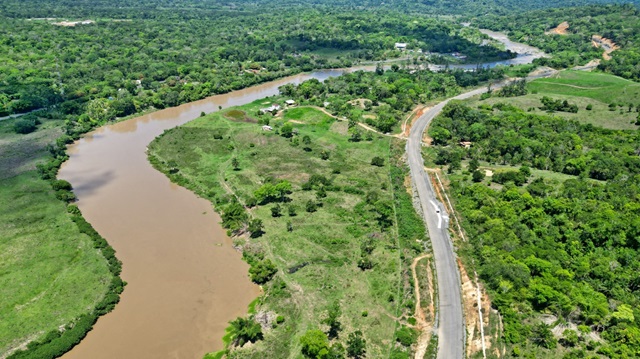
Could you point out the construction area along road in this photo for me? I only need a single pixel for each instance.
(450, 324)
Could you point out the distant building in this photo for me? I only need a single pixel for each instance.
(271, 109)
(459, 56)
(466, 144)
(401, 46)
(290, 102)
(267, 128)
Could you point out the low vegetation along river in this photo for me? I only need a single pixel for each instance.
(185, 281)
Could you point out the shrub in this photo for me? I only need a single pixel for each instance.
(73, 209)
(276, 211)
(245, 330)
(65, 196)
(61, 185)
(477, 176)
(262, 271)
(406, 336)
(311, 206)
(315, 344)
(377, 161)
(25, 125)
(292, 210)
(256, 228)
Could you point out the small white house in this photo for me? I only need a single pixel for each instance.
(401, 46)
(270, 109)
(267, 128)
(290, 103)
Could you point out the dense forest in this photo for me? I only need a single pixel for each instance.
(99, 71)
(565, 247)
(621, 24)
(146, 9)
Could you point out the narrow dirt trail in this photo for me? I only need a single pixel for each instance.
(424, 326)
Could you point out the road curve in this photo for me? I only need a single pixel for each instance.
(450, 320)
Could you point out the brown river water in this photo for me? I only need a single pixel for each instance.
(185, 281)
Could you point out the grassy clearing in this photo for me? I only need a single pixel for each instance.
(20, 153)
(50, 274)
(583, 89)
(317, 259)
(308, 115)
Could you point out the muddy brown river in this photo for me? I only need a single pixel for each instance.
(185, 281)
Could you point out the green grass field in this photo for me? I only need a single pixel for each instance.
(583, 89)
(324, 244)
(49, 273)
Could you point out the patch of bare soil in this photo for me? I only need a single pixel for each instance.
(411, 119)
(542, 70)
(589, 66)
(561, 29)
(424, 321)
(73, 23)
(608, 45)
(472, 314)
(360, 102)
(407, 185)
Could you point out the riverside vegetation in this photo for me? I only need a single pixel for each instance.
(53, 260)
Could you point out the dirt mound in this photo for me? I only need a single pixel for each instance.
(608, 45)
(559, 30)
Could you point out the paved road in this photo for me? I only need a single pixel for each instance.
(451, 330)
(450, 321)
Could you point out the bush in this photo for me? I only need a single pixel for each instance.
(315, 344)
(292, 210)
(65, 196)
(406, 336)
(477, 176)
(245, 330)
(61, 185)
(262, 271)
(377, 161)
(276, 211)
(73, 209)
(256, 228)
(25, 125)
(311, 206)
